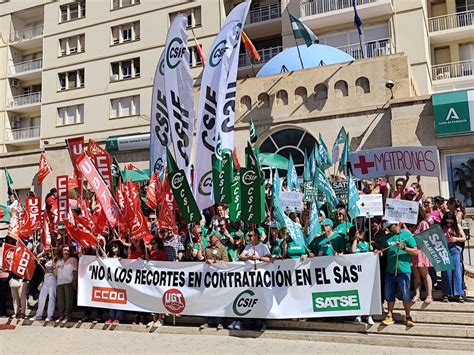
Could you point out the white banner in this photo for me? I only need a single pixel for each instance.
(160, 136)
(345, 285)
(179, 91)
(401, 211)
(217, 102)
(291, 201)
(392, 161)
(370, 205)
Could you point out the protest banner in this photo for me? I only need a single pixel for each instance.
(401, 211)
(340, 188)
(392, 161)
(433, 244)
(291, 201)
(318, 287)
(63, 198)
(370, 205)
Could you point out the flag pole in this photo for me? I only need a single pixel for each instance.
(296, 42)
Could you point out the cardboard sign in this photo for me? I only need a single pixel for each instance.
(401, 211)
(340, 188)
(370, 205)
(392, 161)
(291, 201)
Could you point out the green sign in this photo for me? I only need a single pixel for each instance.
(222, 176)
(235, 208)
(252, 195)
(336, 301)
(454, 112)
(433, 244)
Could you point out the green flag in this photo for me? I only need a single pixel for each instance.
(292, 176)
(340, 139)
(252, 195)
(235, 209)
(222, 173)
(322, 184)
(433, 244)
(314, 226)
(307, 168)
(345, 155)
(300, 30)
(4, 214)
(253, 132)
(353, 196)
(323, 152)
(313, 161)
(116, 172)
(182, 192)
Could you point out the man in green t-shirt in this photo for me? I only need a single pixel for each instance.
(329, 243)
(238, 247)
(399, 245)
(196, 244)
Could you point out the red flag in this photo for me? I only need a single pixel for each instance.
(109, 205)
(250, 47)
(99, 219)
(43, 170)
(8, 252)
(126, 218)
(236, 159)
(72, 182)
(94, 149)
(63, 196)
(76, 148)
(46, 232)
(33, 210)
(23, 263)
(151, 195)
(166, 219)
(80, 234)
(103, 163)
(14, 225)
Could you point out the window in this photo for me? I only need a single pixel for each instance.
(70, 115)
(71, 45)
(194, 16)
(125, 106)
(118, 4)
(71, 80)
(126, 32)
(72, 11)
(460, 176)
(125, 69)
(195, 58)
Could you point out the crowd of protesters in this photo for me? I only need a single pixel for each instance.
(218, 240)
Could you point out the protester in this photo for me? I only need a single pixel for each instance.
(399, 246)
(277, 243)
(137, 249)
(196, 245)
(173, 246)
(342, 224)
(12, 201)
(65, 269)
(238, 247)
(400, 185)
(48, 289)
(116, 251)
(454, 236)
(19, 290)
(329, 243)
(157, 251)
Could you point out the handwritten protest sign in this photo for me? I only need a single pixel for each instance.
(370, 205)
(394, 161)
(401, 211)
(291, 201)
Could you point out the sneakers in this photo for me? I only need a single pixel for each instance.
(231, 325)
(34, 318)
(358, 320)
(203, 326)
(370, 321)
(47, 320)
(388, 321)
(445, 299)
(158, 323)
(108, 321)
(409, 322)
(220, 326)
(116, 322)
(238, 325)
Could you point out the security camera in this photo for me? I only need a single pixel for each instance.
(389, 84)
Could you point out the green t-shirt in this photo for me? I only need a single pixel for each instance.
(294, 251)
(404, 259)
(234, 253)
(362, 247)
(275, 248)
(324, 246)
(342, 228)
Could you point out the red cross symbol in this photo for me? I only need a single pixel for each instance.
(364, 165)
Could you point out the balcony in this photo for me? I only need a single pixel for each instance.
(22, 38)
(371, 49)
(26, 70)
(453, 76)
(451, 27)
(24, 103)
(323, 13)
(265, 13)
(22, 136)
(265, 54)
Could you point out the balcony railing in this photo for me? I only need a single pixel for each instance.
(29, 65)
(265, 55)
(265, 12)
(22, 100)
(316, 7)
(448, 22)
(22, 133)
(453, 70)
(26, 34)
(371, 49)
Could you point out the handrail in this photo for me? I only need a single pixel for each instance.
(27, 99)
(22, 133)
(452, 70)
(451, 21)
(265, 12)
(26, 34)
(25, 66)
(265, 55)
(316, 7)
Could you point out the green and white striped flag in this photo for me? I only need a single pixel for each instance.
(300, 30)
(253, 132)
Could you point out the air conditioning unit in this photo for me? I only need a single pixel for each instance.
(15, 83)
(15, 122)
(114, 77)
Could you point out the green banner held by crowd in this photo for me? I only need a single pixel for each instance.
(252, 191)
(321, 183)
(222, 174)
(433, 244)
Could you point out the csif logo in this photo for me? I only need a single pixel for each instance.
(244, 303)
(249, 177)
(177, 181)
(109, 295)
(175, 52)
(205, 185)
(219, 50)
(174, 301)
(161, 67)
(337, 301)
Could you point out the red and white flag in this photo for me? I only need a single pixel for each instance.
(43, 170)
(46, 232)
(23, 263)
(80, 234)
(7, 257)
(151, 192)
(103, 163)
(14, 225)
(63, 196)
(33, 210)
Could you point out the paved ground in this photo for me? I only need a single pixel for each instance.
(36, 340)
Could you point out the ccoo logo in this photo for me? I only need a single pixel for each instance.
(174, 301)
(175, 52)
(244, 303)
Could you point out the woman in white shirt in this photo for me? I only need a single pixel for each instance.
(66, 272)
(48, 290)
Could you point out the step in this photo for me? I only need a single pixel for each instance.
(462, 318)
(437, 306)
(446, 343)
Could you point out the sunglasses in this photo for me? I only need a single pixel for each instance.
(251, 235)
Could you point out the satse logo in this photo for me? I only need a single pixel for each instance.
(175, 52)
(244, 303)
(174, 301)
(109, 295)
(336, 301)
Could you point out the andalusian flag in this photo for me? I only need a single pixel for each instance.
(9, 180)
(4, 214)
(253, 132)
(300, 30)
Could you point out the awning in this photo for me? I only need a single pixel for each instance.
(454, 112)
(273, 160)
(129, 142)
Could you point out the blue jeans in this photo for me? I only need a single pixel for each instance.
(401, 282)
(116, 314)
(453, 275)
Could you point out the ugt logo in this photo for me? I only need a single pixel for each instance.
(175, 52)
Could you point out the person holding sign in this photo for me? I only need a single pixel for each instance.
(399, 246)
(454, 236)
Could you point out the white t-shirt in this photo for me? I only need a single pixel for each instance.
(260, 250)
(65, 270)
